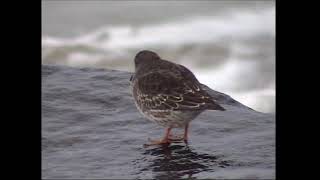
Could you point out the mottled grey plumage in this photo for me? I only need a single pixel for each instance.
(168, 93)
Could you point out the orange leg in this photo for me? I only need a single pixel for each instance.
(185, 136)
(164, 140)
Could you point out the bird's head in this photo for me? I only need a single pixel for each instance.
(145, 56)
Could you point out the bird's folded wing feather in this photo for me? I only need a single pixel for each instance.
(169, 90)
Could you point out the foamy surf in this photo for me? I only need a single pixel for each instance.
(218, 49)
(200, 29)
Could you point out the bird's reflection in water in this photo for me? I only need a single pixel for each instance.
(177, 161)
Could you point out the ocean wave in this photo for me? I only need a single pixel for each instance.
(200, 29)
(233, 53)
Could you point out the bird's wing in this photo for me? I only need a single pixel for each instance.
(167, 90)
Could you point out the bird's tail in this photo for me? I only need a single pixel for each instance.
(215, 106)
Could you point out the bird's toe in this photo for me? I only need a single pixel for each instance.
(157, 142)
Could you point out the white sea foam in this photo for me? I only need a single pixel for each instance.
(112, 44)
(226, 79)
(200, 29)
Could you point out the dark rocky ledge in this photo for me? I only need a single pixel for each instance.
(92, 129)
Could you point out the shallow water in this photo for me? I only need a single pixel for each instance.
(92, 129)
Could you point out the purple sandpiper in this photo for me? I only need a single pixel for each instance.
(168, 94)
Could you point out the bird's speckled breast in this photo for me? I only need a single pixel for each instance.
(167, 118)
(174, 119)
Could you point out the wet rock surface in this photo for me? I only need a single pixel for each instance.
(92, 129)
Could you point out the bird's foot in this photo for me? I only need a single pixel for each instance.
(176, 138)
(158, 142)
